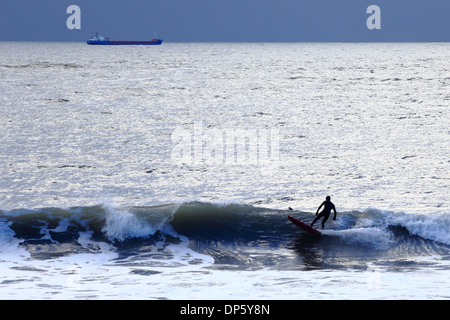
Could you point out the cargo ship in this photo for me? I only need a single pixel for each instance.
(97, 39)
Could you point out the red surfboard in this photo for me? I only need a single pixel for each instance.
(304, 226)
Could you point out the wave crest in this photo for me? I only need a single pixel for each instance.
(220, 230)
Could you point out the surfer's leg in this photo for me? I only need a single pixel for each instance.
(325, 218)
(317, 218)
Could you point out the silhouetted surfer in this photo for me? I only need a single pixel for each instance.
(327, 207)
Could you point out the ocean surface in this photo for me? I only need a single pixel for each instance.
(166, 172)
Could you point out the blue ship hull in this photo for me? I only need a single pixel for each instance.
(110, 43)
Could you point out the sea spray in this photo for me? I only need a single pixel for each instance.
(121, 224)
(435, 226)
(371, 237)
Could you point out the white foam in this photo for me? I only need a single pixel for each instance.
(371, 236)
(63, 224)
(431, 226)
(121, 224)
(9, 246)
(435, 227)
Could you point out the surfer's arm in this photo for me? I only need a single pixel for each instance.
(334, 209)
(319, 208)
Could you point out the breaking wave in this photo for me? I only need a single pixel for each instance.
(230, 233)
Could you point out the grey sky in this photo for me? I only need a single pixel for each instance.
(227, 20)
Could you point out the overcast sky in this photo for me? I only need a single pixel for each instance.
(226, 20)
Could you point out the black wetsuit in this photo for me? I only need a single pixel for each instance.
(327, 207)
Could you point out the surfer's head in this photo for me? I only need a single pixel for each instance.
(328, 198)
